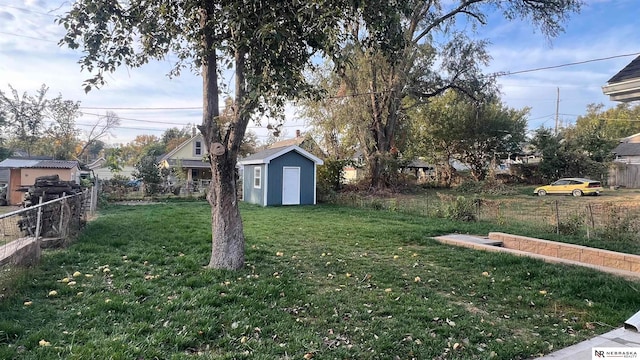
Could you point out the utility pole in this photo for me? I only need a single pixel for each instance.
(557, 109)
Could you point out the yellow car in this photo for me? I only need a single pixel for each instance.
(573, 186)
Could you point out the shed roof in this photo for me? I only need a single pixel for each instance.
(56, 164)
(265, 156)
(39, 164)
(18, 163)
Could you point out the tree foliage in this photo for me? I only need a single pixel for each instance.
(477, 133)
(415, 50)
(267, 46)
(562, 157)
(25, 115)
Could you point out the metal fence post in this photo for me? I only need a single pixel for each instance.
(557, 218)
(62, 232)
(39, 220)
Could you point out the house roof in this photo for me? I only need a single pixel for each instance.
(97, 163)
(419, 164)
(629, 138)
(283, 143)
(627, 149)
(631, 71)
(265, 156)
(625, 85)
(178, 148)
(38, 164)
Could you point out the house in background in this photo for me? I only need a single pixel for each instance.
(625, 87)
(280, 176)
(304, 142)
(188, 162)
(628, 150)
(101, 170)
(24, 171)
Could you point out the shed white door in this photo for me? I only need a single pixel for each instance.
(290, 185)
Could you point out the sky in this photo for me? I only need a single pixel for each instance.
(148, 102)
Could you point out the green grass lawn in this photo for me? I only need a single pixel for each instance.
(326, 282)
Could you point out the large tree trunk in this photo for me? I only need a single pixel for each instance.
(227, 245)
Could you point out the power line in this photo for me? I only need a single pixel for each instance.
(28, 37)
(141, 108)
(29, 10)
(507, 73)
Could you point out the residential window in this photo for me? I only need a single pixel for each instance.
(197, 148)
(257, 177)
(194, 173)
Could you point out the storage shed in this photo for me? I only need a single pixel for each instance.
(280, 176)
(23, 173)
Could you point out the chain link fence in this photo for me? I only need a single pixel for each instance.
(567, 216)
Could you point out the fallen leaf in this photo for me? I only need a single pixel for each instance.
(279, 253)
(43, 342)
(65, 280)
(53, 293)
(77, 273)
(543, 292)
(28, 303)
(387, 290)
(417, 279)
(395, 256)
(106, 270)
(484, 273)
(450, 322)
(308, 356)
(71, 283)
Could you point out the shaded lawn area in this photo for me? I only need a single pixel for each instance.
(325, 282)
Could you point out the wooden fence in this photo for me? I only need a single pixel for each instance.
(48, 224)
(624, 175)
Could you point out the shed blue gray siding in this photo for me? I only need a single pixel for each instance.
(249, 193)
(275, 189)
(307, 178)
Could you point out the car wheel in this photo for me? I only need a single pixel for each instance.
(542, 193)
(576, 192)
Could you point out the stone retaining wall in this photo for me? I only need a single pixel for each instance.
(578, 253)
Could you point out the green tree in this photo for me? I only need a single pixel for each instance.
(147, 170)
(267, 46)
(173, 137)
(61, 136)
(562, 157)
(415, 50)
(475, 132)
(25, 115)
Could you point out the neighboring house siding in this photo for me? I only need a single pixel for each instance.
(628, 159)
(188, 151)
(29, 175)
(250, 193)
(294, 159)
(15, 196)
